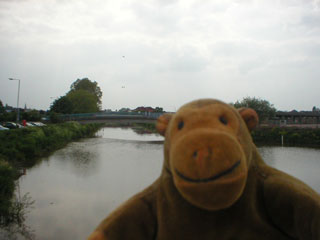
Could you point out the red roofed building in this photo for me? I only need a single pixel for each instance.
(144, 109)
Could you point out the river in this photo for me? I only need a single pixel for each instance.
(68, 193)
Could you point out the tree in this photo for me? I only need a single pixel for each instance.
(87, 85)
(83, 101)
(124, 110)
(8, 116)
(264, 109)
(84, 97)
(315, 109)
(158, 109)
(54, 117)
(1, 107)
(62, 105)
(33, 115)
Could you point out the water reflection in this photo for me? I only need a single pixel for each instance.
(303, 163)
(78, 159)
(79, 185)
(83, 182)
(128, 134)
(13, 222)
(267, 154)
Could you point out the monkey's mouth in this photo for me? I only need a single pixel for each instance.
(209, 179)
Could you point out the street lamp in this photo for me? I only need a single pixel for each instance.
(18, 114)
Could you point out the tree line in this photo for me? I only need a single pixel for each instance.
(11, 116)
(85, 96)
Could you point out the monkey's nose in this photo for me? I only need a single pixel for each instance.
(201, 155)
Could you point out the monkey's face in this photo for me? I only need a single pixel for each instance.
(205, 154)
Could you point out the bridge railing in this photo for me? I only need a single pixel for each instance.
(100, 115)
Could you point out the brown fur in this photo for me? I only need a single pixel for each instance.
(214, 185)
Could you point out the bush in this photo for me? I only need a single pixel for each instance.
(26, 144)
(33, 115)
(7, 186)
(55, 117)
(291, 136)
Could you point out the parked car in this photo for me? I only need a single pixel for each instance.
(29, 124)
(19, 125)
(39, 124)
(10, 125)
(3, 128)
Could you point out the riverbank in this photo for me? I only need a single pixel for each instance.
(140, 128)
(275, 136)
(73, 178)
(21, 148)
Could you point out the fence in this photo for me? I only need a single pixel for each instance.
(109, 115)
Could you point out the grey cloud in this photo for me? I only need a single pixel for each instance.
(156, 20)
(216, 48)
(180, 59)
(252, 64)
(188, 64)
(311, 21)
(165, 3)
(235, 48)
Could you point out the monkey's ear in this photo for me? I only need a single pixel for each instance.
(250, 117)
(163, 122)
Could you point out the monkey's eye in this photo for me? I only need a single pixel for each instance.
(180, 125)
(223, 120)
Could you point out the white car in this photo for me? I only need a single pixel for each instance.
(3, 128)
(38, 124)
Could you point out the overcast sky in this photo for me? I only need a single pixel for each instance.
(163, 52)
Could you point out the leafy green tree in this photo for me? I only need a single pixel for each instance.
(83, 101)
(8, 117)
(54, 117)
(87, 85)
(315, 109)
(33, 115)
(264, 109)
(1, 107)
(62, 105)
(84, 97)
(124, 110)
(158, 109)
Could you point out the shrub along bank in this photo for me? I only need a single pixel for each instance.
(304, 137)
(22, 147)
(7, 176)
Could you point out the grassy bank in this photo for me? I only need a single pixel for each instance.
(7, 187)
(23, 147)
(304, 137)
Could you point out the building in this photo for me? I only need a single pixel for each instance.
(144, 109)
(295, 118)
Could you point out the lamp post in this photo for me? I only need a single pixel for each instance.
(18, 114)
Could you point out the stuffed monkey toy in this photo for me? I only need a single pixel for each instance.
(215, 185)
